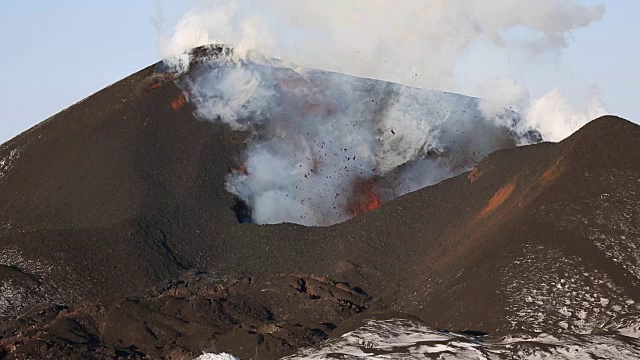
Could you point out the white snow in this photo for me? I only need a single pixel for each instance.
(392, 339)
(615, 229)
(7, 162)
(403, 339)
(16, 297)
(221, 356)
(546, 290)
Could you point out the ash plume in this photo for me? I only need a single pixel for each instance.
(325, 146)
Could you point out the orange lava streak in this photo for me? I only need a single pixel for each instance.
(178, 103)
(499, 198)
(365, 199)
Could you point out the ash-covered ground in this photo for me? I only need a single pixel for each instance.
(121, 238)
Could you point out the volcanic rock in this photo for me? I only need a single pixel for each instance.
(125, 191)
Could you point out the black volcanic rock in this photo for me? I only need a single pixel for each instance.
(271, 315)
(125, 190)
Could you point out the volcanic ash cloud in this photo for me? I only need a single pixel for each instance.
(323, 143)
(327, 147)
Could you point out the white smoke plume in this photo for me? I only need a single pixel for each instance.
(556, 118)
(325, 146)
(414, 42)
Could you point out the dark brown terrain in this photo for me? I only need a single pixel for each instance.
(118, 239)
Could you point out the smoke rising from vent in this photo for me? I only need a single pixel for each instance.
(326, 147)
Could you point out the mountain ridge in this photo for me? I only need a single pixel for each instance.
(125, 190)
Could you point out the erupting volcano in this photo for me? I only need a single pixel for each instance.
(364, 198)
(131, 241)
(314, 135)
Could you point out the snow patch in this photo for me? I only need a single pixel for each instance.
(614, 229)
(404, 339)
(222, 356)
(547, 290)
(12, 299)
(30, 284)
(7, 162)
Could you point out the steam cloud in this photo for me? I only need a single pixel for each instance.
(327, 146)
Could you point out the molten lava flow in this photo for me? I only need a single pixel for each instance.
(178, 103)
(365, 198)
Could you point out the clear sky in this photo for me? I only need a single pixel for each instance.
(55, 53)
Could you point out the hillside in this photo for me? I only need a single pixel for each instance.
(116, 211)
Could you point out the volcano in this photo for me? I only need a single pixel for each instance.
(120, 239)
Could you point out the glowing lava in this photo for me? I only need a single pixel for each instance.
(178, 103)
(365, 198)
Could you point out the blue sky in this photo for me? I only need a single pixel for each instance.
(55, 53)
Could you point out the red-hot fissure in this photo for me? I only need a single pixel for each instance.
(365, 199)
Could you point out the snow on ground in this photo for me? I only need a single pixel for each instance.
(6, 163)
(30, 284)
(405, 339)
(546, 290)
(222, 356)
(616, 230)
(13, 297)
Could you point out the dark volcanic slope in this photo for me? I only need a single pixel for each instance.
(126, 189)
(113, 189)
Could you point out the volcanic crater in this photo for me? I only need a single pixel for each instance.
(120, 239)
